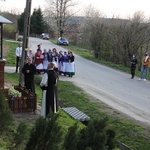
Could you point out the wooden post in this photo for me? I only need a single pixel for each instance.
(2, 65)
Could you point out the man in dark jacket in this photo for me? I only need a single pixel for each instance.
(29, 70)
(133, 66)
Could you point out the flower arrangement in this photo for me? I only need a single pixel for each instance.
(13, 93)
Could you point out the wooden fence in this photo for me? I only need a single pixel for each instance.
(24, 104)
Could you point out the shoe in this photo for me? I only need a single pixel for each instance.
(139, 79)
(144, 79)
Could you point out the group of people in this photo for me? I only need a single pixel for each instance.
(64, 61)
(144, 67)
(52, 64)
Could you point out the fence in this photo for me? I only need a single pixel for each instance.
(24, 104)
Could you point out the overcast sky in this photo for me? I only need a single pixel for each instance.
(122, 8)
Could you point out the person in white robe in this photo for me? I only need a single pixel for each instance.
(49, 86)
(70, 66)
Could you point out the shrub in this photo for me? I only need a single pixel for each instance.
(72, 138)
(19, 137)
(6, 118)
(95, 137)
(45, 134)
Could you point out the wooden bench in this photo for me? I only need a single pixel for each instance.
(76, 114)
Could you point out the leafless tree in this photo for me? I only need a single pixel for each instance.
(116, 39)
(58, 12)
(130, 36)
(94, 32)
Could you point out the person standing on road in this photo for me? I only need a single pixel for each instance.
(145, 66)
(64, 62)
(45, 60)
(55, 57)
(18, 56)
(50, 55)
(39, 61)
(30, 55)
(70, 67)
(39, 48)
(29, 70)
(133, 66)
(49, 86)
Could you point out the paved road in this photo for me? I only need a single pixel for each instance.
(113, 87)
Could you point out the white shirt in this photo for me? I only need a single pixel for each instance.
(44, 80)
(19, 51)
(146, 58)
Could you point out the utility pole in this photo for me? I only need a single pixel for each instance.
(25, 38)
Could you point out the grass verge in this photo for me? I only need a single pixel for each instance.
(135, 136)
(128, 132)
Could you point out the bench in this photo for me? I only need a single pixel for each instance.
(76, 114)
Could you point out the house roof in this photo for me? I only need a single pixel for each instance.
(4, 20)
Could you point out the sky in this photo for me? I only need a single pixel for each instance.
(121, 8)
(19, 5)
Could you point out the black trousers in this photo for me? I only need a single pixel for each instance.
(132, 72)
(17, 63)
(51, 101)
(30, 86)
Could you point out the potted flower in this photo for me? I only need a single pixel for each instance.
(15, 99)
(13, 93)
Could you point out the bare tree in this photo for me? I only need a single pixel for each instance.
(128, 37)
(116, 39)
(59, 11)
(94, 30)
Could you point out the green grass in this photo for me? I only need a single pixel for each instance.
(126, 131)
(133, 135)
(10, 57)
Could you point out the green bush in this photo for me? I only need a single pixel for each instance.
(95, 136)
(6, 118)
(9, 28)
(45, 134)
(72, 138)
(19, 137)
(9, 32)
